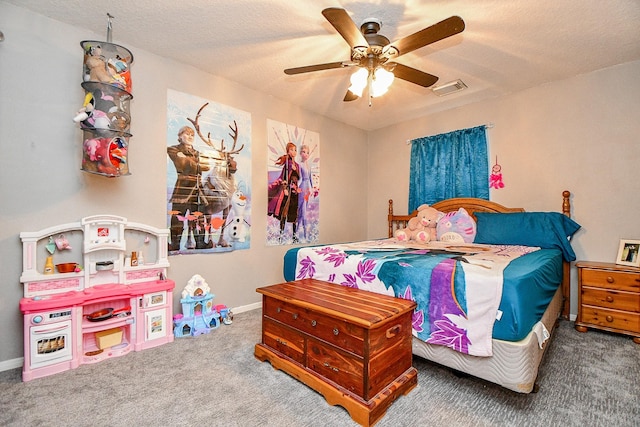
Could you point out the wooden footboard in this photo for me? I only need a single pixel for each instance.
(473, 205)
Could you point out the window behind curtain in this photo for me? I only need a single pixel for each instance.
(453, 164)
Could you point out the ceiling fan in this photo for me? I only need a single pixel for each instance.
(373, 54)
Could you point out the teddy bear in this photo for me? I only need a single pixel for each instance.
(422, 227)
(96, 70)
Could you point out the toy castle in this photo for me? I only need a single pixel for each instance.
(199, 314)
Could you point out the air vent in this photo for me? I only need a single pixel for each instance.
(449, 88)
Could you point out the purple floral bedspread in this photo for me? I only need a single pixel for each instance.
(457, 292)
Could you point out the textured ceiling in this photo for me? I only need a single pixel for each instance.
(507, 46)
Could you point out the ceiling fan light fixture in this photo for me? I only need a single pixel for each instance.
(381, 82)
(449, 88)
(359, 81)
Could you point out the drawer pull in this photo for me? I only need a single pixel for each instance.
(278, 310)
(333, 368)
(279, 341)
(610, 279)
(393, 331)
(609, 318)
(335, 331)
(314, 323)
(609, 298)
(295, 316)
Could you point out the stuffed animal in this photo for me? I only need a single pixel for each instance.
(457, 227)
(406, 234)
(96, 68)
(422, 227)
(107, 156)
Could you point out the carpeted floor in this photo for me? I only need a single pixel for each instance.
(213, 380)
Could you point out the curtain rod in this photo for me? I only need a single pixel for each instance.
(488, 126)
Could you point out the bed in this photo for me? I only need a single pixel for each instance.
(533, 285)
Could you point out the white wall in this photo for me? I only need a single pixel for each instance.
(42, 185)
(579, 134)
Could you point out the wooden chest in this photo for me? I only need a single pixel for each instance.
(609, 298)
(352, 346)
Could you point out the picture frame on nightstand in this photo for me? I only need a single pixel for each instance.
(629, 253)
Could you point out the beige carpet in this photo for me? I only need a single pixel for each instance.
(213, 380)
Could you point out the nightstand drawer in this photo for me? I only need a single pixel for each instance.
(619, 300)
(624, 281)
(611, 318)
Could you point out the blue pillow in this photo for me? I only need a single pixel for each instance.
(547, 230)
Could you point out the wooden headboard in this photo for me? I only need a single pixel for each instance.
(473, 205)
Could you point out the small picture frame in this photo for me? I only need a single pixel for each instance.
(629, 253)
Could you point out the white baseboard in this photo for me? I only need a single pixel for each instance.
(248, 307)
(11, 364)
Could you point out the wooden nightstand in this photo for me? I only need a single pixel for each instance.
(609, 298)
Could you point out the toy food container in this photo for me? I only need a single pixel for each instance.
(108, 338)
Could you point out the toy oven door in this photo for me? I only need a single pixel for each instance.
(50, 343)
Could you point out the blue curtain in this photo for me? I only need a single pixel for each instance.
(453, 164)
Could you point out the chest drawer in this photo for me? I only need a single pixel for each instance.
(620, 300)
(337, 332)
(285, 340)
(340, 367)
(611, 318)
(619, 280)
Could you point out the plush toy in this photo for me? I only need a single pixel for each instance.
(100, 111)
(422, 227)
(106, 156)
(97, 70)
(456, 227)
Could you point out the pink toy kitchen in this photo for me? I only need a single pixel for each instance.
(94, 289)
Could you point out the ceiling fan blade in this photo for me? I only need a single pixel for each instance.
(318, 67)
(412, 75)
(424, 37)
(343, 24)
(350, 96)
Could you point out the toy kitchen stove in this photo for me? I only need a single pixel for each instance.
(50, 337)
(105, 306)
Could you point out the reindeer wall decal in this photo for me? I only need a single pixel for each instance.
(219, 184)
(203, 188)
